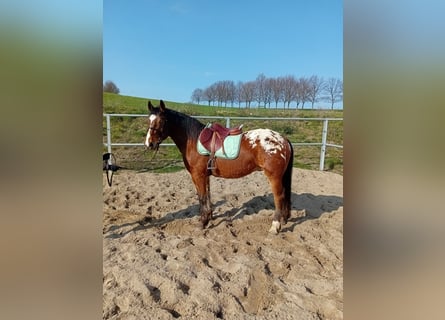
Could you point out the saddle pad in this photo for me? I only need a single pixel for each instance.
(231, 147)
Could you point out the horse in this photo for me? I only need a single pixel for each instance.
(260, 149)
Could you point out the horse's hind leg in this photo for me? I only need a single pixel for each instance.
(279, 200)
(281, 183)
(202, 184)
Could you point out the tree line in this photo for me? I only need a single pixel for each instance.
(266, 91)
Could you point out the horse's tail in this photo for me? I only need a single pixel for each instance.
(287, 183)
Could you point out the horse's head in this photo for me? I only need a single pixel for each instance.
(157, 129)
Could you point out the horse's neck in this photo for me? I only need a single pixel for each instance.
(180, 133)
(180, 140)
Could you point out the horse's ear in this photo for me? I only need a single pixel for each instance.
(150, 106)
(162, 106)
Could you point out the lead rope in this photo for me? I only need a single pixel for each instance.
(110, 179)
(154, 154)
(109, 164)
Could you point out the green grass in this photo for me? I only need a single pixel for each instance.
(124, 129)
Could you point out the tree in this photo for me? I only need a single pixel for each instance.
(268, 91)
(197, 95)
(210, 94)
(238, 91)
(219, 92)
(303, 90)
(247, 93)
(225, 91)
(289, 87)
(231, 92)
(334, 91)
(298, 95)
(260, 89)
(277, 90)
(315, 87)
(109, 86)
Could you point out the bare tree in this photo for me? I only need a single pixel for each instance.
(303, 90)
(298, 97)
(334, 91)
(220, 92)
(268, 91)
(238, 91)
(315, 88)
(289, 87)
(277, 90)
(231, 92)
(260, 89)
(210, 94)
(109, 86)
(225, 92)
(248, 92)
(197, 95)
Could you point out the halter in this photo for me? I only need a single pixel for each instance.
(157, 130)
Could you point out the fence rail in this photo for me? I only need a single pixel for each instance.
(323, 144)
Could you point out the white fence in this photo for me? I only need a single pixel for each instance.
(323, 143)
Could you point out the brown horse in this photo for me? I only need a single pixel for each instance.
(261, 149)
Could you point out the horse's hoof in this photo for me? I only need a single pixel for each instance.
(275, 228)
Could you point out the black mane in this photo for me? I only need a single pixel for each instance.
(192, 126)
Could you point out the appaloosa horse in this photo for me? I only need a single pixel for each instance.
(260, 149)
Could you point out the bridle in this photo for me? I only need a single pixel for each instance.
(160, 132)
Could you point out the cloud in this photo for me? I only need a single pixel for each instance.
(179, 7)
(209, 74)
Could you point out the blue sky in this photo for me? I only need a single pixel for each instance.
(164, 49)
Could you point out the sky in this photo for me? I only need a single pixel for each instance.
(164, 49)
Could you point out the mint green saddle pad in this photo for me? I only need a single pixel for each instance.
(231, 147)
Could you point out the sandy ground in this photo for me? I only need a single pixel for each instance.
(159, 264)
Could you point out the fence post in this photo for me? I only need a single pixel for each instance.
(323, 143)
(227, 122)
(108, 133)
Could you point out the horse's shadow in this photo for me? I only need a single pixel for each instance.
(314, 206)
(148, 222)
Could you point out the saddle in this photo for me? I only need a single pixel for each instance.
(212, 138)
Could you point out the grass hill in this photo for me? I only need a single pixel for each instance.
(124, 129)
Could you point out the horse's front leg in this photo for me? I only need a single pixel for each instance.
(202, 184)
